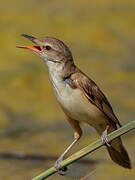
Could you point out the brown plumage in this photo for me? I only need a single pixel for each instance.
(79, 96)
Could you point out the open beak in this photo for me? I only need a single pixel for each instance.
(35, 48)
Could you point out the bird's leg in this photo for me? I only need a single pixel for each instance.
(77, 135)
(60, 159)
(104, 136)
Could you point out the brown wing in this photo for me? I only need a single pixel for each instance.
(94, 95)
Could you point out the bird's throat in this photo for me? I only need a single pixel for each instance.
(61, 69)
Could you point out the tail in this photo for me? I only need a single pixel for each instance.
(118, 154)
(117, 151)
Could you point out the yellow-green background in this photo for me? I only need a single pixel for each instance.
(101, 35)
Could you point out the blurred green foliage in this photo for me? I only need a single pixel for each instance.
(101, 35)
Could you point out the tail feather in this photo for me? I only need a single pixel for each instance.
(118, 153)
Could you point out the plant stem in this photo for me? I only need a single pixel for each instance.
(90, 148)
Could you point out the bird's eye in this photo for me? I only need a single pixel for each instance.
(47, 47)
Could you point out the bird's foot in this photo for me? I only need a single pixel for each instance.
(104, 138)
(61, 170)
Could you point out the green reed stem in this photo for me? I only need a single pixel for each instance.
(83, 152)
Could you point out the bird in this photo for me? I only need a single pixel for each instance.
(80, 97)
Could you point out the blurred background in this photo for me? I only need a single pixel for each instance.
(33, 129)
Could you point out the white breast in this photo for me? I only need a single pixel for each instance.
(74, 102)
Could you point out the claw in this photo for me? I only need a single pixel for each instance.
(104, 138)
(61, 170)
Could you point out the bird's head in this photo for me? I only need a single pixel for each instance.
(50, 49)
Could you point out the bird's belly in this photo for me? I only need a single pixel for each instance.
(77, 106)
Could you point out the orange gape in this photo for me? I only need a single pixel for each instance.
(33, 48)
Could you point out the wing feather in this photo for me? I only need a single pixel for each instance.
(94, 95)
